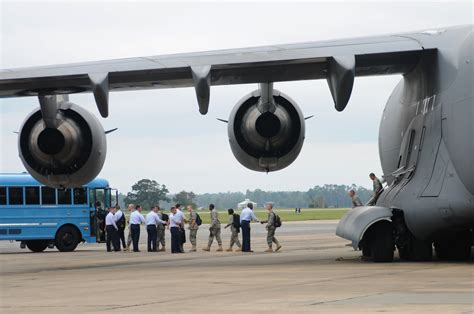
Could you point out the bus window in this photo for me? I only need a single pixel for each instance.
(3, 196)
(80, 196)
(64, 196)
(48, 195)
(32, 195)
(99, 196)
(16, 196)
(113, 197)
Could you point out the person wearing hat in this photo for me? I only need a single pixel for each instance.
(193, 227)
(160, 230)
(271, 228)
(214, 230)
(246, 216)
(234, 238)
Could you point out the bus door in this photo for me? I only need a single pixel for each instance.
(113, 197)
(101, 202)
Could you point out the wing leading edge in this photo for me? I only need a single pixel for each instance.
(337, 61)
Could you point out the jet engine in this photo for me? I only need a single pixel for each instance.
(70, 154)
(266, 130)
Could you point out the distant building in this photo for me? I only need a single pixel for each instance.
(243, 204)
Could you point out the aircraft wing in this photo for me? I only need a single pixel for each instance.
(337, 61)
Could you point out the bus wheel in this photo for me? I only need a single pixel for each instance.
(67, 239)
(37, 245)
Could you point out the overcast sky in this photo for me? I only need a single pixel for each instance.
(161, 135)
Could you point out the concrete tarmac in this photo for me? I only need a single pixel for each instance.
(315, 272)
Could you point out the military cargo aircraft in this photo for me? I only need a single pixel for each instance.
(426, 138)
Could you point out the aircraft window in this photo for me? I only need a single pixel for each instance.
(3, 196)
(48, 195)
(80, 196)
(16, 196)
(64, 196)
(32, 195)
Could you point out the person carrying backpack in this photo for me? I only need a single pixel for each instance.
(234, 224)
(121, 224)
(273, 221)
(194, 222)
(160, 230)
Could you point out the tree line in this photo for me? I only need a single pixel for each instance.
(147, 192)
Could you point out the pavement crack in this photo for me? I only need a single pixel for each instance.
(347, 299)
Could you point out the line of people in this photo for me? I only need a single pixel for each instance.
(156, 222)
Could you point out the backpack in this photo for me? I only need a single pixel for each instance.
(165, 217)
(277, 221)
(198, 220)
(121, 223)
(236, 221)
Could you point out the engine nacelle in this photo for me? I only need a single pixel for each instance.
(70, 155)
(266, 140)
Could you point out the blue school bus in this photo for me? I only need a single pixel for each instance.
(41, 217)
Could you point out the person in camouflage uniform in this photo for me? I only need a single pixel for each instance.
(271, 229)
(193, 227)
(234, 238)
(377, 188)
(214, 230)
(356, 202)
(160, 238)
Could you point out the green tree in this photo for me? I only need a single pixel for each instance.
(147, 193)
(317, 202)
(185, 198)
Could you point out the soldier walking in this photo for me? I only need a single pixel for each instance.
(271, 218)
(214, 230)
(160, 229)
(193, 227)
(235, 230)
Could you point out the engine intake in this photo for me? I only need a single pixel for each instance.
(266, 138)
(67, 156)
